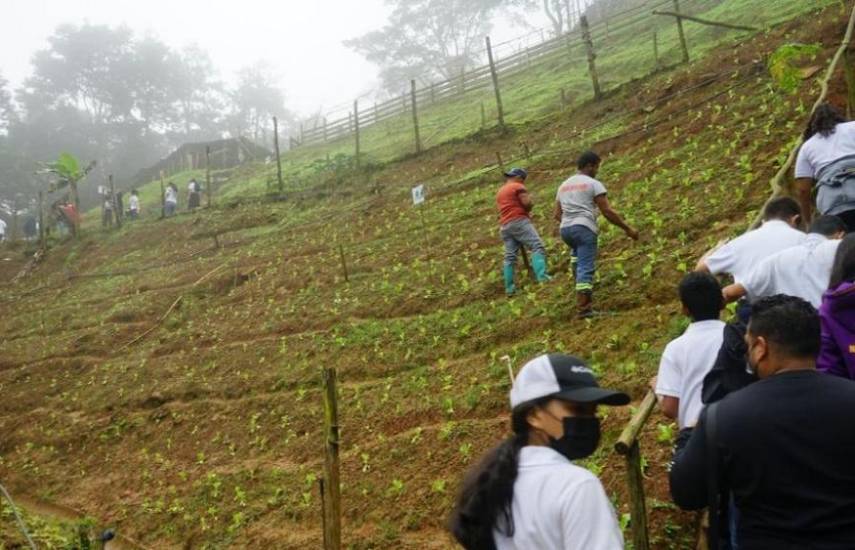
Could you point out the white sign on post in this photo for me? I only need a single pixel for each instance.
(418, 195)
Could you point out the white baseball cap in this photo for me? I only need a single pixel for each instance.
(562, 377)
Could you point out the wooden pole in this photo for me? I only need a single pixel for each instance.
(592, 56)
(495, 84)
(656, 51)
(526, 151)
(638, 509)
(278, 158)
(849, 77)
(500, 162)
(680, 31)
(343, 263)
(356, 128)
(322, 487)
(208, 174)
(332, 516)
(483, 116)
(630, 433)
(681, 16)
(115, 201)
(415, 116)
(563, 99)
(42, 243)
(162, 196)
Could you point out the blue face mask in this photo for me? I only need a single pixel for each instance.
(580, 439)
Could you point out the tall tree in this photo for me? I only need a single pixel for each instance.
(256, 99)
(427, 38)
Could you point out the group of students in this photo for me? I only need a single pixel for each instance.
(170, 197)
(764, 403)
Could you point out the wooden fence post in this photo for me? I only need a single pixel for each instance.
(483, 116)
(682, 34)
(656, 64)
(592, 65)
(162, 196)
(42, 242)
(343, 263)
(115, 200)
(278, 159)
(356, 128)
(638, 508)
(849, 77)
(415, 116)
(332, 515)
(500, 161)
(495, 84)
(210, 191)
(563, 99)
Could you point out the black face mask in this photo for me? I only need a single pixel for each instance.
(580, 439)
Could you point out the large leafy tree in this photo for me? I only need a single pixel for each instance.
(255, 101)
(427, 38)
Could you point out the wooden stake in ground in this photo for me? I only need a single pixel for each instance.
(592, 56)
(343, 263)
(415, 116)
(278, 158)
(500, 161)
(356, 128)
(495, 77)
(849, 76)
(483, 116)
(162, 197)
(115, 202)
(332, 470)
(656, 51)
(680, 32)
(42, 242)
(210, 192)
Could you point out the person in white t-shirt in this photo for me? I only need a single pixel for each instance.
(170, 200)
(134, 205)
(527, 493)
(802, 270)
(2, 231)
(739, 256)
(687, 359)
(826, 163)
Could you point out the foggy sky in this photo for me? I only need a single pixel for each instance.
(300, 39)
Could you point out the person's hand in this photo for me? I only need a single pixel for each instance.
(632, 234)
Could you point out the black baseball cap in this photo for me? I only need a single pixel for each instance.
(564, 377)
(516, 173)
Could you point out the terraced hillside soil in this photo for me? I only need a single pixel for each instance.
(167, 381)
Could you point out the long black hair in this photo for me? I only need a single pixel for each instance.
(485, 499)
(843, 269)
(823, 121)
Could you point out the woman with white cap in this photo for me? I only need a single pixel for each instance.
(527, 493)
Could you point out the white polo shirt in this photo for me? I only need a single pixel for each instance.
(740, 255)
(559, 506)
(801, 271)
(685, 362)
(820, 151)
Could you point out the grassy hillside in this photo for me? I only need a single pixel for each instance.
(206, 431)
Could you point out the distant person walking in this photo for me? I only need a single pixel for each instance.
(837, 315)
(2, 230)
(783, 446)
(193, 194)
(515, 204)
(826, 164)
(527, 493)
(134, 205)
(576, 204)
(170, 200)
(107, 211)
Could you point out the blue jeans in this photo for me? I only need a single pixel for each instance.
(517, 233)
(583, 254)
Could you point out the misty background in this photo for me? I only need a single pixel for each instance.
(124, 83)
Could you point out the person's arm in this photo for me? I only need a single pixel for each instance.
(558, 212)
(734, 292)
(689, 474)
(669, 406)
(613, 217)
(804, 189)
(666, 384)
(703, 265)
(525, 200)
(830, 359)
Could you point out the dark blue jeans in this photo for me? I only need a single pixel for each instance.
(583, 254)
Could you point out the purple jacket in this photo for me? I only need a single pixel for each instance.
(837, 315)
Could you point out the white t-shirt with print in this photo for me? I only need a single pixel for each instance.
(559, 506)
(576, 196)
(819, 151)
(684, 364)
(742, 254)
(802, 270)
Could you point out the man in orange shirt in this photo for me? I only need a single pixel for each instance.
(514, 204)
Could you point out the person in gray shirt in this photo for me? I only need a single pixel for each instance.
(575, 209)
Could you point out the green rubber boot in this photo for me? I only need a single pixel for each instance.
(538, 263)
(508, 274)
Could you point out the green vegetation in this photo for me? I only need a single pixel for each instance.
(207, 431)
